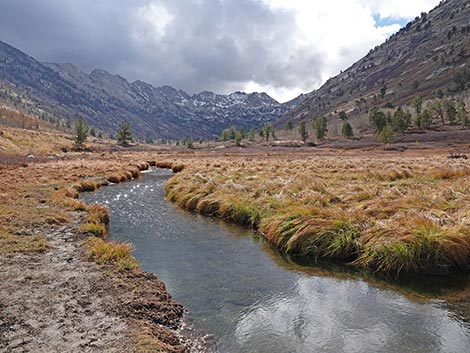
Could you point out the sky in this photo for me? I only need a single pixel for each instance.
(282, 47)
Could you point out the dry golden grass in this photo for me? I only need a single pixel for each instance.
(109, 253)
(22, 141)
(41, 193)
(389, 212)
(394, 213)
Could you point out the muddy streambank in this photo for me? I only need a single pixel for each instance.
(52, 298)
(57, 302)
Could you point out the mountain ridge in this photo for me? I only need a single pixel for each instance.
(105, 100)
(422, 59)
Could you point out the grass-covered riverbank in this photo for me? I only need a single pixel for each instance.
(386, 212)
(78, 290)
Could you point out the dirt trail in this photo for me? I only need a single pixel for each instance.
(58, 302)
(48, 303)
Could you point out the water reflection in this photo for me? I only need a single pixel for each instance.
(351, 316)
(254, 300)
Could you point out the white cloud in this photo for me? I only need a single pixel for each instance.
(342, 31)
(152, 21)
(285, 47)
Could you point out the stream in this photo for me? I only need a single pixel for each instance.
(249, 298)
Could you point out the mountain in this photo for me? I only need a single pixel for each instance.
(105, 100)
(429, 57)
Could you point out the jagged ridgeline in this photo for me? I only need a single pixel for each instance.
(429, 57)
(105, 100)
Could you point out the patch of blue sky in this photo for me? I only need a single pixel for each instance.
(388, 21)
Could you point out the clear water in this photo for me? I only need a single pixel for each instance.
(252, 300)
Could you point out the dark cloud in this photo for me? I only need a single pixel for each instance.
(218, 45)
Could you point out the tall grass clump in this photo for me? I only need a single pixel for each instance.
(109, 253)
(426, 248)
(240, 212)
(98, 214)
(314, 232)
(97, 221)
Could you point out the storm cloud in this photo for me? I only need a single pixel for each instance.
(283, 47)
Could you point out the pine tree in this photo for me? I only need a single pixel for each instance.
(124, 134)
(225, 135)
(303, 131)
(269, 131)
(251, 134)
(320, 128)
(238, 138)
(81, 131)
(342, 115)
(438, 108)
(378, 120)
(232, 132)
(417, 103)
(386, 135)
(451, 111)
(347, 130)
(463, 115)
(242, 132)
(190, 143)
(400, 120)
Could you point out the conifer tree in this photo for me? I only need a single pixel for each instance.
(124, 134)
(81, 131)
(320, 128)
(347, 130)
(303, 131)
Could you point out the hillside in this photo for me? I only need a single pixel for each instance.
(105, 100)
(430, 57)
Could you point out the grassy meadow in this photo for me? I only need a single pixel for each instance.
(385, 212)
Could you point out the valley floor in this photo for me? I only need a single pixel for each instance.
(61, 293)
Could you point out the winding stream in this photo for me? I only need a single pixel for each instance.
(252, 300)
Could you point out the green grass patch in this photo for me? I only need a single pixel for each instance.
(109, 253)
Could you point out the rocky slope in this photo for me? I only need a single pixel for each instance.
(429, 57)
(105, 100)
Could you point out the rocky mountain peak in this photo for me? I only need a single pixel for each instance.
(105, 100)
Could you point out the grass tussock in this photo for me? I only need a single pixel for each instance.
(86, 186)
(68, 199)
(94, 229)
(449, 173)
(97, 221)
(10, 243)
(110, 253)
(419, 245)
(174, 166)
(98, 214)
(394, 215)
